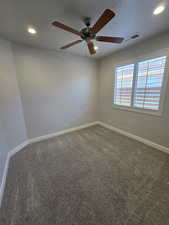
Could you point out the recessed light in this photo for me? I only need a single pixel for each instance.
(31, 30)
(96, 48)
(159, 9)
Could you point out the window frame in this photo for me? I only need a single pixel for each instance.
(136, 61)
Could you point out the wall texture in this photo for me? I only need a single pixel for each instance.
(58, 90)
(12, 126)
(153, 128)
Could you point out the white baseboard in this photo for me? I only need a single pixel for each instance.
(41, 138)
(18, 148)
(135, 137)
(9, 155)
(2, 186)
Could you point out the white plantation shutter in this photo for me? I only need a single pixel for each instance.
(148, 83)
(123, 85)
(139, 85)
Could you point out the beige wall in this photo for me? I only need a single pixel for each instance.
(58, 90)
(153, 128)
(43, 92)
(12, 127)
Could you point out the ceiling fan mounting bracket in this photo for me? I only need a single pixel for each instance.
(87, 21)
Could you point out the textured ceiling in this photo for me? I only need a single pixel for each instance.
(133, 16)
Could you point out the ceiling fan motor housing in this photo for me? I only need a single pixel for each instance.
(87, 34)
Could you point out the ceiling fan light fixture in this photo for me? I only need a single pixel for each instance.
(159, 9)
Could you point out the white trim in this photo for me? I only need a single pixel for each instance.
(2, 186)
(18, 148)
(9, 155)
(135, 137)
(37, 139)
(137, 110)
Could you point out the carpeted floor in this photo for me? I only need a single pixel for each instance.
(89, 177)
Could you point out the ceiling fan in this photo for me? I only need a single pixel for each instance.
(89, 33)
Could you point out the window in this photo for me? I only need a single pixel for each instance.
(139, 85)
(123, 88)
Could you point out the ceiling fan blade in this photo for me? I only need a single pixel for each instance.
(117, 40)
(71, 44)
(91, 47)
(64, 27)
(103, 20)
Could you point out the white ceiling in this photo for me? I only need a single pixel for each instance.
(133, 16)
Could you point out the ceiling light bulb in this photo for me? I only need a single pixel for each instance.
(32, 30)
(159, 9)
(96, 48)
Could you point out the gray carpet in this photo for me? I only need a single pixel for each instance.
(89, 177)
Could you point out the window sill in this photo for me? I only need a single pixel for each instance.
(136, 110)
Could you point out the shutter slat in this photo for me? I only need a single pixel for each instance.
(123, 85)
(148, 83)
